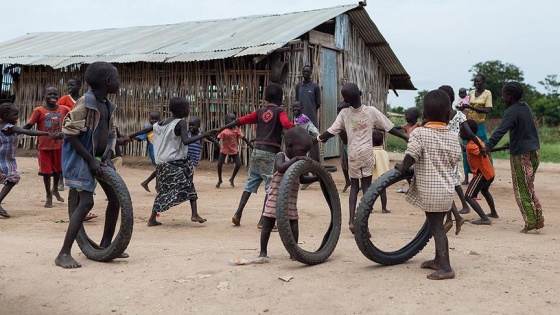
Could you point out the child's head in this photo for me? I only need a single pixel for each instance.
(297, 108)
(154, 117)
(377, 136)
(9, 113)
(472, 125)
(411, 115)
(102, 75)
(73, 86)
(50, 95)
(179, 107)
(230, 117)
(194, 124)
(297, 142)
(351, 94)
(273, 94)
(462, 92)
(437, 106)
(512, 92)
(449, 90)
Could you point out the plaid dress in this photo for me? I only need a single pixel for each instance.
(436, 152)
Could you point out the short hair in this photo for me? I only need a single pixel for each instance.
(154, 113)
(231, 116)
(449, 90)
(436, 105)
(97, 73)
(413, 110)
(5, 108)
(175, 104)
(307, 66)
(298, 135)
(481, 76)
(513, 89)
(472, 125)
(273, 93)
(377, 136)
(350, 89)
(48, 86)
(75, 79)
(194, 120)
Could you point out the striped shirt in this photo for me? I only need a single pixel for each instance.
(195, 150)
(436, 152)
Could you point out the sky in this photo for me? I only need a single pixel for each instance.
(436, 41)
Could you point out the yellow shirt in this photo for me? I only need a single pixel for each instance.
(483, 100)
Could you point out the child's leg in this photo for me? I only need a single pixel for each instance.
(347, 181)
(476, 184)
(267, 226)
(221, 160)
(294, 225)
(441, 261)
(490, 201)
(237, 163)
(54, 191)
(352, 199)
(236, 219)
(5, 191)
(383, 196)
(85, 204)
(111, 214)
(47, 182)
(61, 183)
(194, 216)
(145, 183)
(464, 203)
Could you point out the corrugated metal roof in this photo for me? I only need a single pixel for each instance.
(190, 41)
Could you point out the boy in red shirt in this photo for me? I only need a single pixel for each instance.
(483, 173)
(49, 118)
(229, 138)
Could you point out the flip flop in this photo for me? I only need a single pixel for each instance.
(3, 213)
(90, 216)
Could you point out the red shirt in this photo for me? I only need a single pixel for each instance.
(229, 140)
(408, 128)
(270, 119)
(67, 101)
(49, 121)
(477, 163)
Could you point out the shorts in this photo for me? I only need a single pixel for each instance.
(50, 162)
(478, 184)
(344, 159)
(260, 169)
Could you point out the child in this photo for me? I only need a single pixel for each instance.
(228, 147)
(153, 118)
(174, 168)
(524, 153)
(270, 120)
(344, 148)
(358, 120)
(483, 176)
(464, 99)
(88, 144)
(195, 148)
(411, 116)
(300, 119)
(8, 143)
(381, 160)
(49, 118)
(69, 100)
(297, 144)
(434, 151)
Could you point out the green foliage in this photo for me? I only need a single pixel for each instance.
(419, 100)
(398, 109)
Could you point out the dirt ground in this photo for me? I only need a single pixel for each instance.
(182, 267)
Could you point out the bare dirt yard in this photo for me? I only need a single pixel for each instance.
(181, 267)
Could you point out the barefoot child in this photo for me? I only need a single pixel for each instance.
(174, 169)
(483, 176)
(8, 143)
(153, 118)
(434, 151)
(358, 120)
(297, 144)
(49, 118)
(89, 139)
(381, 160)
(195, 148)
(228, 147)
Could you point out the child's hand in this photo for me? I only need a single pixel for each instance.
(95, 167)
(303, 158)
(122, 141)
(398, 167)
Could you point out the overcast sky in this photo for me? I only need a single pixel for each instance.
(436, 41)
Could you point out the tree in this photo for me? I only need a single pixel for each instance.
(551, 84)
(419, 100)
(547, 107)
(497, 73)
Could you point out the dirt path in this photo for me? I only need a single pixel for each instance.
(182, 267)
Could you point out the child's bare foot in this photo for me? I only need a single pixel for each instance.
(236, 220)
(464, 210)
(430, 264)
(66, 261)
(263, 254)
(458, 224)
(346, 186)
(123, 255)
(58, 197)
(447, 226)
(198, 219)
(493, 215)
(145, 186)
(481, 222)
(218, 184)
(465, 182)
(153, 223)
(48, 203)
(385, 211)
(231, 182)
(3, 213)
(442, 275)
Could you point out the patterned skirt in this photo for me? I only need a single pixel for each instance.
(174, 184)
(523, 169)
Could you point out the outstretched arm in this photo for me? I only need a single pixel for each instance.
(141, 132)
(397, 133)
(23, 131)
(473, 138)
(249, 144)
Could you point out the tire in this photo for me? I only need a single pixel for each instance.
(361, 225)
(290, 180)
(120, 242)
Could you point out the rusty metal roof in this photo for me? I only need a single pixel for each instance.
(193, 41)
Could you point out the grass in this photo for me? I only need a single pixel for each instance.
(548, 136)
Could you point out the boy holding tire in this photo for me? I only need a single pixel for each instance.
(434, 151)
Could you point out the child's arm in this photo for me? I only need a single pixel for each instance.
(213, 140)
(183, 125)
(397, 133)
(281, 165)
(141, 132)
(23, 131)
(406, 164)
(249, 144)
(473, 138)
(502, 148)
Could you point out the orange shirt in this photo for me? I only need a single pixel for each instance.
(67, 101)
(49, 121)
(229, 140)
(477, 163)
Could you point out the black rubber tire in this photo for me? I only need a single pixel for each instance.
(290, 180)
(120, 242)
(361, 225)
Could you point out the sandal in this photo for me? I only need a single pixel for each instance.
(90, 216)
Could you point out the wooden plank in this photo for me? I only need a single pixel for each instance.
(323, 39)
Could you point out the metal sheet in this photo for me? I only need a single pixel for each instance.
(329, 100)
